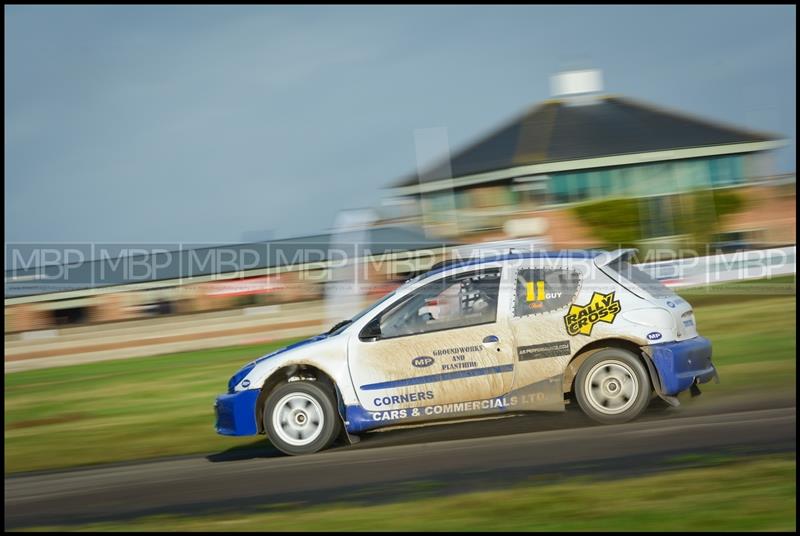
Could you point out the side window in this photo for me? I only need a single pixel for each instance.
(452, 302)
(541, 290)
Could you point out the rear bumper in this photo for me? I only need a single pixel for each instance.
(236, 413)
(680, 364)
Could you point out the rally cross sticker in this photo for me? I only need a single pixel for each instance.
(582, 318)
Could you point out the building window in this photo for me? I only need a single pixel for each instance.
(715, 171)
(581, 186)
(605, 188)
(657, 178)
(558, 188)
(725, 170)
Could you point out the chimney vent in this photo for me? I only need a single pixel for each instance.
(577, 87)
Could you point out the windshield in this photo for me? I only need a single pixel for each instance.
(338, 328)
(640, 278)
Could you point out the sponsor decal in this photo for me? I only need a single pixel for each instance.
(458, 357)
(459, 365)
(403, 399)
(653, 336)
(535, 294)
(601, 308)
(422, 361)
(539, 351)
(688, 323)
(458, 350)
(393, 415)
(246, 383)
(674, 302)
(547, 393)
(445, 409)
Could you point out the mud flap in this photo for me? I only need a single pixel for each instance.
(344, 435)
(694, 389)
(656, 381)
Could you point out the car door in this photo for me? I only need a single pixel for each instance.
(447, 342)
(542, 295)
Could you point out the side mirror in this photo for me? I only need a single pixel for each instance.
(372, 331)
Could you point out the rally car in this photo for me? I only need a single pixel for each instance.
(509, 333)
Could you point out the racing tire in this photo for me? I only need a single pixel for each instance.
(612, 386)
(300, 417)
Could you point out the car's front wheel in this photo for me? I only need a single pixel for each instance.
(612, 386)
(300, 417)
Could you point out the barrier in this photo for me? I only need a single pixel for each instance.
(722, 268)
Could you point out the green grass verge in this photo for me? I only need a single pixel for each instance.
(160, 406)
(119, 410)
(733, 495)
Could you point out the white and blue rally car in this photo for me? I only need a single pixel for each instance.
(509, 333)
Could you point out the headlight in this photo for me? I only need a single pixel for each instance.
(239, 376)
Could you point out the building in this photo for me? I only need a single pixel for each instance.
(583, 146)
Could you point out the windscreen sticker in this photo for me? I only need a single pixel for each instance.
(540, 351)
(601, 308)
(540, 290)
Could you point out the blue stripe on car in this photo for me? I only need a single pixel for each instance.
(443, 377)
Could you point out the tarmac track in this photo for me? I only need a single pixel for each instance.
(472, 455)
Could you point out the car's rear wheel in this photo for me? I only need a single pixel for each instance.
(612, 386)
(300, 417)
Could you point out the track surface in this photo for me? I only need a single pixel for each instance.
(458, 457)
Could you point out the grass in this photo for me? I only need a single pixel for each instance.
(730, 495)
(160, 406)
(119, 410)
(753, 333)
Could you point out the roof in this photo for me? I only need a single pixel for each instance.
(552, 255)
(109, 271)
(559, 131)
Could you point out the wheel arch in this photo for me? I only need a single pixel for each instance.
(295, 372)
(571, 371)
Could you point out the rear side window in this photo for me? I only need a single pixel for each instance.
(640, 278)
(541, 290)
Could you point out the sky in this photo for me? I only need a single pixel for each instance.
(212, 124)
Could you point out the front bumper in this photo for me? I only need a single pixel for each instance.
(236, 413)
(681, 364)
